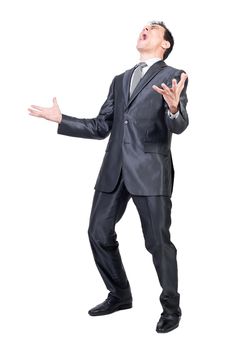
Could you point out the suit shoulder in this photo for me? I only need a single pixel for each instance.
(119, 76)
(174, 70)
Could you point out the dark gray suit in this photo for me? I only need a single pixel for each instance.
(140, 130)
(137, 164)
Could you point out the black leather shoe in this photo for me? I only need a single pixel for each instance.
(111, 304)
(167, 322)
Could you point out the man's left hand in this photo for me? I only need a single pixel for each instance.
(172, 95)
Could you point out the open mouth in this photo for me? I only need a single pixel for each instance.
(143, 36)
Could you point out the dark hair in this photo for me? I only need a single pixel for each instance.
(167, 36)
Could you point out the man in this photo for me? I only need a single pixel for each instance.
(140, 117)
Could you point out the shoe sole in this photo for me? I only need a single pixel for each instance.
(120, 307)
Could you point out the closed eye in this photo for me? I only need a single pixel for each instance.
(154, 27)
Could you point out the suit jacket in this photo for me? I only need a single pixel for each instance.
(140, 132)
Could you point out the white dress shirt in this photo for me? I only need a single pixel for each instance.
(149, 63)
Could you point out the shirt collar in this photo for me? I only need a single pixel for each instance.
(152, 60)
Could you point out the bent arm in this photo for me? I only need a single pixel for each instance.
(91, 128)
(180, 123)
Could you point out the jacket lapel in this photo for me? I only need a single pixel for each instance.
(150, 74)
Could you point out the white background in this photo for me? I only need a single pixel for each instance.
(72, 50)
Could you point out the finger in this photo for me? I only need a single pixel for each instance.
(156, 88)
(174, 84)
(180, 87)
(183, 77)
(165, 87)
(35, 115)
(34, 112)
(37, 107)
(182, 82)
(55, 100)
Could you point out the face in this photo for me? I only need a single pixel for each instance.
(151, 39)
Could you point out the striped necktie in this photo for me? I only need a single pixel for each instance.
(137, 75)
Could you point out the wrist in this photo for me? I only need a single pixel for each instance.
(59, 118)
(173, 109)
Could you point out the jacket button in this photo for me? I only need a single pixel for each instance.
(126, 122)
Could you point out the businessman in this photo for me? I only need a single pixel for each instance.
(144, 107)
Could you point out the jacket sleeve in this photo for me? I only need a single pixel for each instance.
(91, 128)
(179, 124)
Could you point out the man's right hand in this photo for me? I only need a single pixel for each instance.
(52, 113)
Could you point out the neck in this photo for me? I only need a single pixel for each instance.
(147, 55)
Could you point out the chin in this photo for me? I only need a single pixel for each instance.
(140, 47)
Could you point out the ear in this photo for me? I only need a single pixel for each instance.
(165, 44)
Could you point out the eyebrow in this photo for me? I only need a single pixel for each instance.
(155, 25)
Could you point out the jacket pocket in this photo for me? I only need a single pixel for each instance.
(153, 147)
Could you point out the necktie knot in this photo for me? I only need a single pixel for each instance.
(142, 64)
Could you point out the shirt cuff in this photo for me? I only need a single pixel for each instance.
(173, 116)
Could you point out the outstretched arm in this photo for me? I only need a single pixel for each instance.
(91, 128)
(175, 100)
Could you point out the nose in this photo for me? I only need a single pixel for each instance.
(146, 28)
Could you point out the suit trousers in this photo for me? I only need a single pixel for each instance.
(155, 216)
